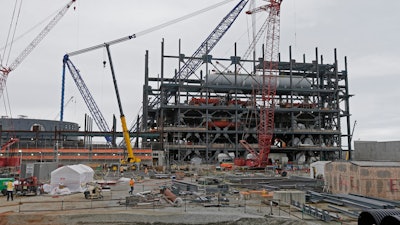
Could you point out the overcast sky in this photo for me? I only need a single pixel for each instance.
(367, 32)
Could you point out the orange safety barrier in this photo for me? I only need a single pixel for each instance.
(142, 150)
(49, 154)
(73, 157)
(74, 150)
(106, 157)
(37, 150)
(108, 151)
(37, 157)
(143, 157)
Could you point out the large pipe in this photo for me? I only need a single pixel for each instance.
(375, 216)
(176, 201)
(169, 195)
(391, 220)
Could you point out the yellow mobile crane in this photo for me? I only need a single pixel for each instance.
(131, 158)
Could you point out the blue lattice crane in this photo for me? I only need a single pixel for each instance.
(87, 97)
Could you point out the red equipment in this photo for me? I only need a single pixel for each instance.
(27, 186)
(12, 160)
(269, 77)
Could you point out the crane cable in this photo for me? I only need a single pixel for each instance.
(10, 126)
(149, 30)
(32, 28)
(12, 29)
(260, 18)
(253, 23)
(8, 111)
(9, 32)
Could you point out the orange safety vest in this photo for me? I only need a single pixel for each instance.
(131, 183)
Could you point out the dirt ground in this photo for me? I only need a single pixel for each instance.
(32, 210)
(139, 217)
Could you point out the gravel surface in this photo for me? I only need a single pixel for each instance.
(15, 212)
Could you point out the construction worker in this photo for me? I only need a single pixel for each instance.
(121, 171)
(10, 190)
(131, 184)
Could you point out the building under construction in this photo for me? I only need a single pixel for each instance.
(208, 111)
(211, 107)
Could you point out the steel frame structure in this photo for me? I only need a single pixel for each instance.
(211, 114)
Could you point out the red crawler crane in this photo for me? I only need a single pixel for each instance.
(268, 90)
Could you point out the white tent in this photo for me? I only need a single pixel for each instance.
(318, 168)
(73, 177)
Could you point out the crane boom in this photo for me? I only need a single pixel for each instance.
(131, 157)
(194, 62)
(6, 70)
(260, 31)
(258, 9)
(268, 90)
(255, 40)
(87, 97)
(270, 73)
(9, 143)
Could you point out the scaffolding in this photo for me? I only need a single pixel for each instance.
(210, 111)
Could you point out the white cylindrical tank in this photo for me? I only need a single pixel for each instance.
(245, 80)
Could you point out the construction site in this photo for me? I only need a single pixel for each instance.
(246, 139)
